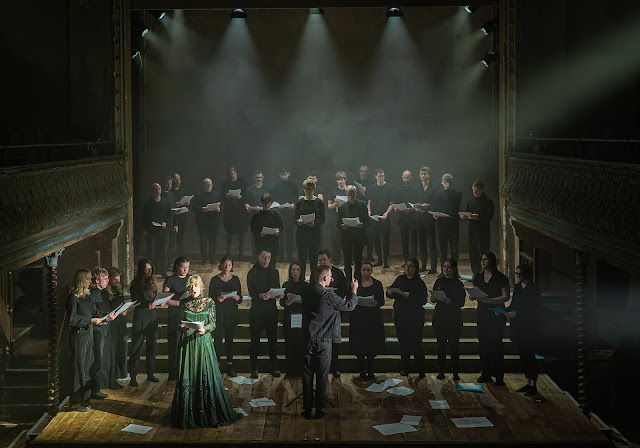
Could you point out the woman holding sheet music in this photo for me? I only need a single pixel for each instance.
(117, 332)
(266, 226)
(176, 284)
(447, 317)
(293, 307)
(221, 288)
(410, 294)
(366, 327)
(200, 399)
(309, 228)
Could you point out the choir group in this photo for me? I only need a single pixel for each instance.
(358, 215)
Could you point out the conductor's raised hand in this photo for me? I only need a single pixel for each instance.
(354, 285)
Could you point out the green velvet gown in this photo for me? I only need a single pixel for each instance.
(200, 400)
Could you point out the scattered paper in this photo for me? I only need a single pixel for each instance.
(341, 199)
(394, 428)
(375, 217)
(212, 207)
(296, 320)
(305, 219)
(228, 295)
(234, 193)
(137, 429)
(270, 230)
(395, 291)
(295, 298)
(472, 422)
(439, 404)
(241, 411)
(376, 388)
(184, 200)
(163, 297)
(243, 380)
(351, 222)
(476, 293)
(401, 206)
(400, 391)
(260, 402)
(391, 382)
(274, 292)
(192, 325)
(156, 224)
(180, 210)
(413, 420)
(470, 387)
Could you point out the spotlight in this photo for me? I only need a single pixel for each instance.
(137, 57)
(145, 32)
(238, 13)
(158, 14)
(490, 26)
(489, 58)
(318, 11)
(471, 9)
(394, 12)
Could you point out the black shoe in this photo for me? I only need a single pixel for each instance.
(524, 388)
(499, 381)
(484, 379)
(386, 265)
(86, 405)
(306, 414)
(98, 395)
(440, 376)
(363, 375)
(320, 413)
(276, 373)
(336, 374)
(404, 372)
(231, 373)
(456, 377)
(80, 408)
(371, 375)
(133, 382)
(533, 390)
(115, 386)
(153, 378)
(421, 375)
(432, 271)
(254, 374)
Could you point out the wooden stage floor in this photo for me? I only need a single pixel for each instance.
(551, 419)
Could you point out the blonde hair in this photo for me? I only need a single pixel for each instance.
(113, 290)
(78, 288)
(341, 175)
(350, 187)
(309, 182)
(195, 280)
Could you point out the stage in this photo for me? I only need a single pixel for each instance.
(551, 418)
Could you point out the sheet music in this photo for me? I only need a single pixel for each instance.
(296, 321)
(401, 206)
(295, 298)
(212, 207)
(184, 200)
(234, 193)
(351, 222)
(311, 217)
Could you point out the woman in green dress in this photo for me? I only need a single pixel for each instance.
(200, 399)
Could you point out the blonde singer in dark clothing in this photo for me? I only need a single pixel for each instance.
(293, 307)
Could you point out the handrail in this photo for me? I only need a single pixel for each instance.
(63, 163)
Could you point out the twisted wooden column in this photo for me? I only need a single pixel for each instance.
(52, 316)
(582, 282)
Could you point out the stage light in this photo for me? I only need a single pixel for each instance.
(471, 9)
(489, 58)
(394, 12)
(238, 13)
(314, 11)
(145, 32)
(137, 57)
(490, 26)
(158, 14)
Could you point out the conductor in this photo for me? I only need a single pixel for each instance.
(321, 327)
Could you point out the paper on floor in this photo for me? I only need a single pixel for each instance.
(413, 420)
(439, 404)
(470, 387)
(391, 382)
(243, 380)
(137, 429)
(472, 422)
(400, 391)
(376, 387)
(241, 411)
(394, 428)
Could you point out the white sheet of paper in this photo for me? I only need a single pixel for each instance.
(273, 292)
(376, 387)
(270, 230)
(413, 420)
(400, 391)
(395, 290)
(476, 293)
(124, 307)
(212, 207)
(295, 298)
(181, 210)
(163, 297)
(296, 321)
(391, 382)
(341, 199)
(228, 295)
(311, 217)
(472, 387)
(401, 206)
(472, 422)
(275, 204)
(438, 295)
(415, 206)
(394, 428)
(234, 193)
(243, 380)
(241, 411)
(351, 222)
(137, 429)
(375, 217)
(262, 402)
(156, 224)
(193, 325)
(185, 295)
(185, 199)
(439, 404)
(369, 301)
(466, 276)
(467, 214)
(440, 215)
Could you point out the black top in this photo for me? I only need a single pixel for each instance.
(228, 307)
(335, 191)
(202, 199)
(493, 288)
(381, 196)
(260, 280)
(285, 191)
(305, 207)
(100, 304)
(294, 308)
(376, 290)
(116, 301)
(483, 207)
(153, 211)
(142, 315)
(235, 214)
(171, 199)
(177, 286)
(356, 210)
(79, 310)
(448, 201)
(254, 194)
(427, 196)
(406, 194)
(321, 313)
(181, 219)
(270, 218)
(368, 182)
(454, 290)
(317, 191)
(412, 305)
(339, 282)
(526, 303)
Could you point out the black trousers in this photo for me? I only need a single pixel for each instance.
(182, 224)
(149, 333)
(381, 235)
(240, 243)
(226, 330)
(173, 340)
(490, 332)
(157, 249)
(448, 334)
(286, 236)
(448, 237)
(264, 321)
(101, 356)
(81, 348)
(308, 247)
(316, 362)
(352, 250)
(409, 237)
(171, 247)
(336, 237)
(527, 352)
(409, 330)
(369, 231)
(208, 233)
(118, 342)
(479, 242)
(427, 236)
(294, 350)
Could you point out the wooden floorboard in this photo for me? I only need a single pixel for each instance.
(549, 419)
